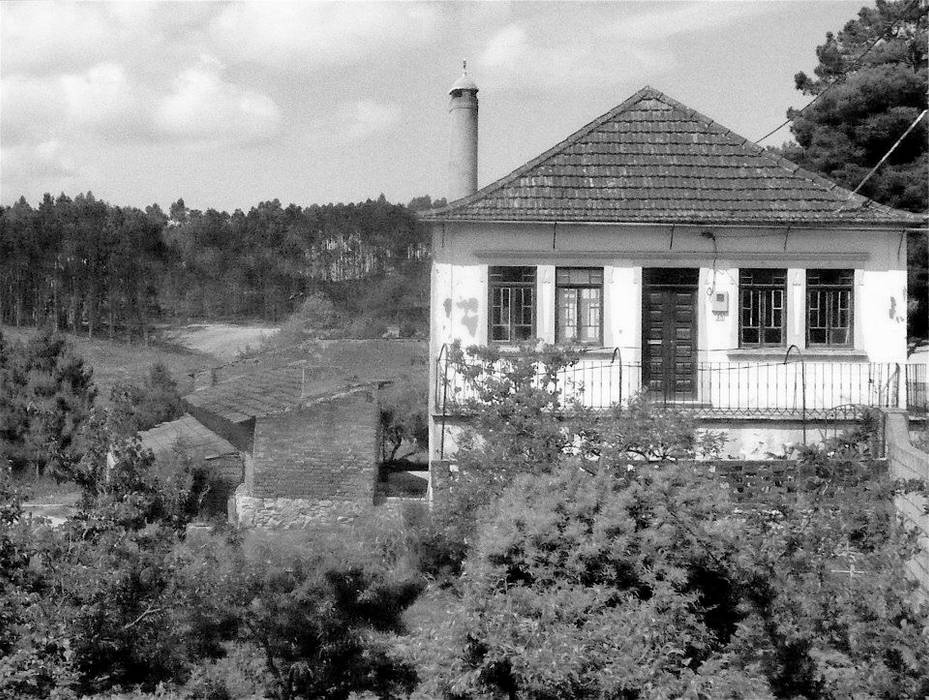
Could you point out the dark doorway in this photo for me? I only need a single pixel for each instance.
(669, 332)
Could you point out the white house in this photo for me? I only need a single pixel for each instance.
(685, 259)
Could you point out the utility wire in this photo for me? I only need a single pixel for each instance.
(854, 65)
(887, 155)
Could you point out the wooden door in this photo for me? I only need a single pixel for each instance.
(669, 330)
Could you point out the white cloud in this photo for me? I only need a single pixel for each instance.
(100, 97)
(521, 59)
(364, 118)
(47, 159)
(203, 106)
(506, 48)
(672, 19)
(298, 36)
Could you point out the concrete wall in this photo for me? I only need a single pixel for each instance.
(906, 462)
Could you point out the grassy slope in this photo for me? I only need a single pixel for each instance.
(114, 361)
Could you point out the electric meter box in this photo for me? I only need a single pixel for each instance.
(720, 303)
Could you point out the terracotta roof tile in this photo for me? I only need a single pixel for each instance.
(652, 159)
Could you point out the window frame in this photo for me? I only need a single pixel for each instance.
(829, 288)
(763, 286)
(587, 285)
(512, 285)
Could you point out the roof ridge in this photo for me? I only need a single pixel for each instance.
(637, 96)
(822, 189)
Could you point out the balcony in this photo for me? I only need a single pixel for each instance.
(796, 389)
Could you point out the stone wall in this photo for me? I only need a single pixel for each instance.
(294, 513)
(326, 450)
(907, 462)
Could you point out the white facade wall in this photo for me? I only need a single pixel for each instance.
(462, 254)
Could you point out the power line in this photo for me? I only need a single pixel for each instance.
(854, 65)
(892, 149)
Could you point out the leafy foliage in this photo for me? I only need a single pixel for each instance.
(404, 416)
(121, 597)
(873, 96)
(650, 583)
(46, 394)
(310, 611)
(83, 264)
(134, 408)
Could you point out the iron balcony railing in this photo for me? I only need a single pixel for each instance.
(796, 388)
(917, 388)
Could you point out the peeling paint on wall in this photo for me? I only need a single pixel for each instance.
(469, 319)
(447, 305)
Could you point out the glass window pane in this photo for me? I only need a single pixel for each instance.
(567, 314)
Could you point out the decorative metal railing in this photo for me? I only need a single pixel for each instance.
(796, 388)
(917, 388)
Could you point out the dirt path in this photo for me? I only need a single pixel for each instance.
(223, 340)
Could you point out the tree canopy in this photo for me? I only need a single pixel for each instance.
(868, 88)
(871, 84)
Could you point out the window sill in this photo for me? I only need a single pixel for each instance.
(815, 354)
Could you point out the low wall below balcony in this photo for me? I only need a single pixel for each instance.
(752, 439)
(771, 438)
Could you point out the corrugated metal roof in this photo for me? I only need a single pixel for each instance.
(271, 391)
(187, 433)
(654, 160)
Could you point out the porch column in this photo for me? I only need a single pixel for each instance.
(545, 304)
(796, 308)
(622, 311)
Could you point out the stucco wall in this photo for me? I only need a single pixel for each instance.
(462, 253)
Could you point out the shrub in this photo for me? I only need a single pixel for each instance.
(648, 582)
(309, 607)
(595, 586)
(135, 408)
(46, 394)
(404, 418)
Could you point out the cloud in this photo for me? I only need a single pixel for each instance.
(542, 50)
(101, 102)
(673, 19)
(506, 48)
(102, 99)
(530, 58)
(204, 107)
(300, 36)
(364, 118)
(47, 159)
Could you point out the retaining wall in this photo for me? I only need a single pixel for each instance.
(907, 462)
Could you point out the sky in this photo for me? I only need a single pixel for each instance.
(230, 104)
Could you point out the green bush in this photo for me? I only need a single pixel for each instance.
(136, 408)
(648, 582)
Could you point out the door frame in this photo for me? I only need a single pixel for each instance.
(671, 278)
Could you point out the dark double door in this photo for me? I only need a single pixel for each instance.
(669, 332)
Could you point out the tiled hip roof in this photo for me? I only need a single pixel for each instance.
(652, 159)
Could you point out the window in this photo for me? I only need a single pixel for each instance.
(829, 307)
(512, 304)
(579, 305)
(761, 307)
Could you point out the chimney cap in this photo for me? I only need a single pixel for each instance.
(465, 81)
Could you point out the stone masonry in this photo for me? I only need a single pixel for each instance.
(314, 464)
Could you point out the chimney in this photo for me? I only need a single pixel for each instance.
(462, 152)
